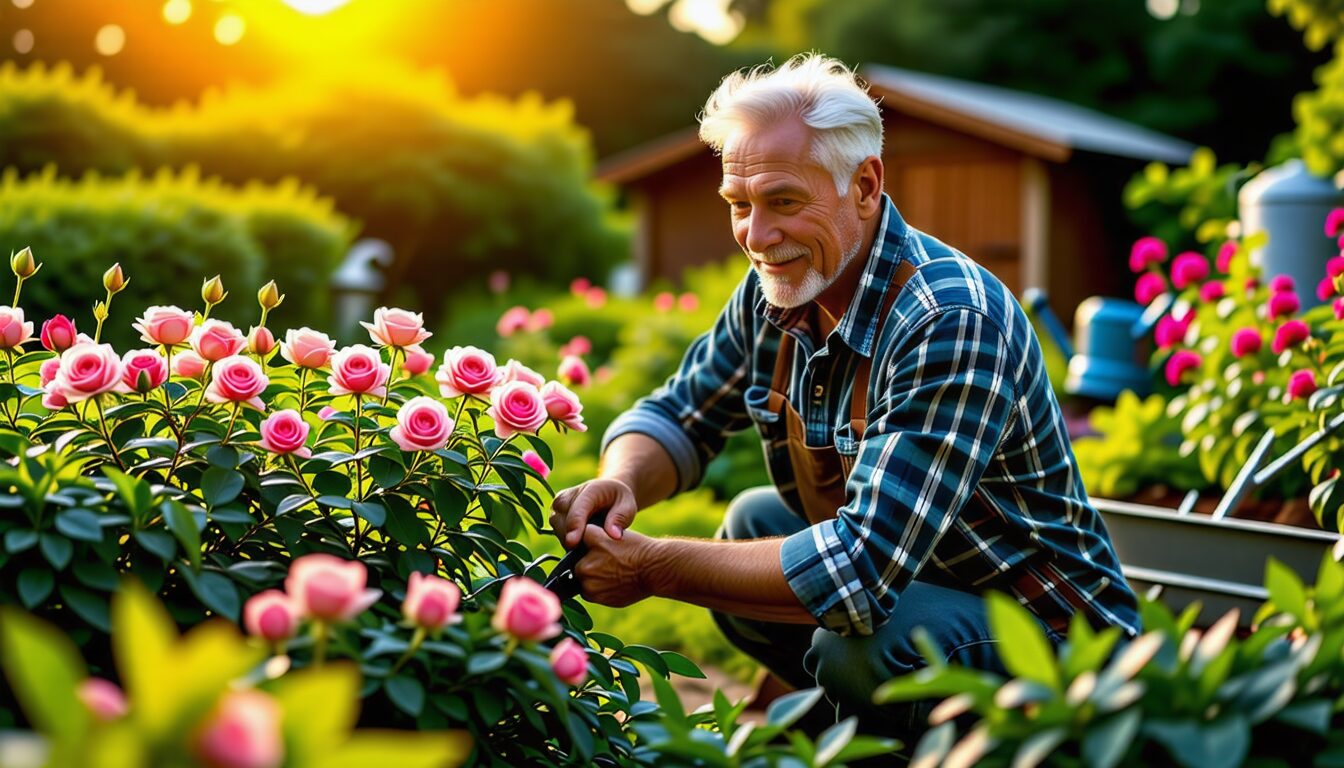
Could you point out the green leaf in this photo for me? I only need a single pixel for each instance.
(485, 662)
(403, 524)
(668, 699)
(183, 525)
(385, 472)
(133, 491)
(372, 512)
(57, 549)
(80, 524)
(646, 656)
(681, 665)
(833, 740)
(1313, 716)
(1196, 744)
(1021, 641)
(407, 693)
(156, 542)
(220, 486)
(335, 502)
(216, 591)
(1036, 749)
(291, 503)
(786, 710)
(19, 539)
(1105, 743)
(222, 456)
(44, 669)
(86, 605)
(403, 749)
(320, 705)
(332, 483)
(34, 585)
(1285, 588)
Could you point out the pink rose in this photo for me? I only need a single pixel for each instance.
(215, 340)
(1188, 269)
(14, 331)
(664, 301)
(579, 286)
(58, 334)
(423, 424)
(54, 401)
(327, 412)
(1339, 308)
(579, 345)
(1335, 266)
(498, 281)
(516, 371)
(431, 601)
(47, 371)
(417, 361)
(189, 365)
(595, 298)
(541, 320)
(1325, 289)
(574, 372)
(326, 588)
(143, 370)
(563, 406)
(569, 661)
(243, 731)
(237, 380)
(307, 348)
(512, 321)
(467, 371)
(1246, 341)
(358, 370)
(1149, 286)
(87, 370)
(538, 464)
(102, 698)
(1211, 291)
(1282, 304)
(270, 615)
(1225, 253)
(527, 610)
(688, 302)
(1301, 384)
(1289, 335)
(260, 341)
(1333, 222)
(285, 432)
(1179, 363)
(168, 326)
(1281, 283)
(1145, 252)
(396, 327)
(516, 407)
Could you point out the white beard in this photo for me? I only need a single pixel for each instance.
(784, 293)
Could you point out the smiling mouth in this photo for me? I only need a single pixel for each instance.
(776, 266)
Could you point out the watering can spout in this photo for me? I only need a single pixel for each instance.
(1110, 356)
(1038, 304)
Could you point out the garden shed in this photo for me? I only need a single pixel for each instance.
(1027, 185)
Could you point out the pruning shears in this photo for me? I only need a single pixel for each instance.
(563, 581)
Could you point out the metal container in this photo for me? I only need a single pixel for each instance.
(1110, 359)
(1290, 204)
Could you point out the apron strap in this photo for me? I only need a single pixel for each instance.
(858, 403)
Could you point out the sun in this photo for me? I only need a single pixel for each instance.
(315, 7)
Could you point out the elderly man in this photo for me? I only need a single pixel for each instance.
(917, 453)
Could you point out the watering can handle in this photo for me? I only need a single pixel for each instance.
(1038, 304)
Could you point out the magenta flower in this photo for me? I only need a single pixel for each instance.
(1334, 223)
(512, 321)
(1171, 331)
(1335, 266)
(1325, 289)
(1289, 335)
(1301, 384)
(1146, 251)
(1225, 253)
(1149, 286)
(1281, 283)
(1188, 269)
(1339, 308)
(1283, 304)
(1246, 341)
(1211, 291)
(1180, 363)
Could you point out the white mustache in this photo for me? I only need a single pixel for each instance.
(779, 255)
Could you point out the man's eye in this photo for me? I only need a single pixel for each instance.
(740, 205)
(785, 202)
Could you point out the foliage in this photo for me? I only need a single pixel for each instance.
(1187, 207)
(1321, 21)
(1138, 446)
(1320, 118)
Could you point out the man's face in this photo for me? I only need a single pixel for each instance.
(798, 232)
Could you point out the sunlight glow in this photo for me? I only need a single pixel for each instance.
(176, 11)
(711, 19)
(22, 3)
(23, 40)
(229, 29)
(315, 7)
(110, 40)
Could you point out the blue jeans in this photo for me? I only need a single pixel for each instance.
(850, 669)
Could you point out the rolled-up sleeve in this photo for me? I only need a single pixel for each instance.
(943, 406)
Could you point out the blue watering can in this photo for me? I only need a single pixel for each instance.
(1110, 357)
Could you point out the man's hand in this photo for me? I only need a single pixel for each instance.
(615, 572)
(573, 507)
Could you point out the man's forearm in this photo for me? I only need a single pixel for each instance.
(742, 578)
(643, 464)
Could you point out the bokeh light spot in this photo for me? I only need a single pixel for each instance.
(22, 3)
(176, 11)
(110, 40)
(229, 29)
(23, 40)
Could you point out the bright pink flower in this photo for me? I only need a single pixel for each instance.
(431, 602)
(516, 371)
(1334, 221)
(1149, 286)
(53, 400)
(47, 371)
(1225, 253)
(59, 334)
(358, 370)
(1289, 335)
(1251, 285)
(1189, 269)
(538, 464)
(215, 340)
(260, 341)
(1179, 363)
(1281, 283)
(417, 361)
(579, 345)
(563, 406)
(467, 371)
(1246, 341)
(527, 610)
(189, 365)
(87, 370)
(569, 662)
(1301, 384)
(574, 372)
(1325, 289)
(285, 432)
(104, 700)
(603, 374)
(1146, 251)
(688, 302)
(1335, 266)
(14, 331)
(168, 325)
(243, 731)
(1211, 291)
(1339, 308)
(143, 370)
(271, 616)
(1282, 305)
(498, 281)
(237, 380)
(327, 412)
(665, 301)
(541, 320)
(396, 327)
(512, 321)
(1171, 331)
(516, 407)
(423, 424)
(579, 286)
(326, 588)
(307, 348)
(595, 298)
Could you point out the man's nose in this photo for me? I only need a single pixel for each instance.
(762, 233)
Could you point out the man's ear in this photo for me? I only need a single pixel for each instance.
(868, 181)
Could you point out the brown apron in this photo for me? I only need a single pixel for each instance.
(821, 472)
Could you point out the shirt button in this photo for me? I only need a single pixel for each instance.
(818, 390)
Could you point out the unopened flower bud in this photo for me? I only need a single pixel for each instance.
(1339, 283)
(269, 296)
(99, 311)
(212, 291)
(114, 280)
(23, 264)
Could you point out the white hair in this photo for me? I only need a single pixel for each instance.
(821, 91)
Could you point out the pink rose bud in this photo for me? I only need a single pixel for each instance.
(1289, 335)
(466, 371)
(327, 412)
(243, 731)
(1146, 251)
(431, 601)
(527, 610)
(579, 286)
(46, 373)
(1180, 363)
(574, 372)
(1171, 331)
(423, 424)
(417, 361)
(1149, 286)
(516, 371)
(1282, 305)
(1281, 283)
(563, 406)
(1211, 291)
(538, 464)
(58, 334)
(189, 365)
(14, 332)
(1325, 289)
(603, 374)
(569, 662)
(1301, 384)
(271, 616)
(54, 401)
(688, 302)
(516, 407)
(396, 328)
(285, 432)
(237, 380)
(1339, 308)
(307, 348)
(595, 298)
(1334, 221)
(664, 301)
(579, 345)
(215, 340)
(1189, 269)
(1246, 341)
(143, 370)
(326, 588)
(168, 326)
(260, 341)
(1225, 253)
(103, 699)
(87, 370)
(541, 320)
(498, 281)
(512, 321)
(358, 370)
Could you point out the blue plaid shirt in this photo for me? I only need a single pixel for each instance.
(964, 474)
